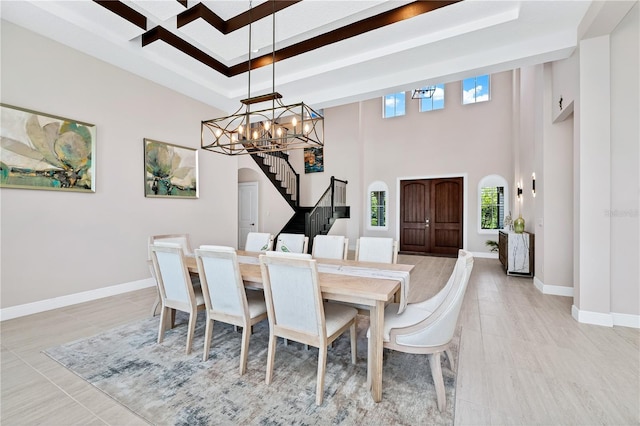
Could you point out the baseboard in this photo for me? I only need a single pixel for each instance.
(626, 320)
(595, 318)
(554, 290)
(485, 255)
(72, 299)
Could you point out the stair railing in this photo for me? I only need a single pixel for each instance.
(278, 163)
(318, 220)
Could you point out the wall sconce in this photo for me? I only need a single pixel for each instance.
(519, 192)
(533, 184)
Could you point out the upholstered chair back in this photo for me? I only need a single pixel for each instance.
(292, 243)
(221, 281)
(259, 241)
(377, 249)
(292, 292)
(330, 247)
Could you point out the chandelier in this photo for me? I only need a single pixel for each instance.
(272, 126)
(424, 93)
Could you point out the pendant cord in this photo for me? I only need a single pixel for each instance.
(273, 60)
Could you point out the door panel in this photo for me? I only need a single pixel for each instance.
(431, 216)
(247, 211)
(414, 211)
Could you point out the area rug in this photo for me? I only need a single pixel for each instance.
(164, 386)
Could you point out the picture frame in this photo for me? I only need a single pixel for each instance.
(171, 171)
(43, 151)
(313, 160)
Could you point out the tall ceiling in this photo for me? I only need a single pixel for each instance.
(328, 52)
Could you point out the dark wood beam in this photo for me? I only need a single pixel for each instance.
(266, 9)
(239, 21)
(357, 28)
(161, 33)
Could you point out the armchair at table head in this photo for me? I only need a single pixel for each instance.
(421, 331)
(259, 241)
(296, 310)
(377, 249)
(330, 247)
(184, 241)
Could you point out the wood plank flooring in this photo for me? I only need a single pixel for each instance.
(522, 358)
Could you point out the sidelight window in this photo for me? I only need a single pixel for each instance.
(378, 203)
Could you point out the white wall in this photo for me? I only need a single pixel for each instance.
(472, 140)
(273, 210)
(625, 165)
(61, 243)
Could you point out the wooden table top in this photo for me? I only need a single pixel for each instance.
(340, 287)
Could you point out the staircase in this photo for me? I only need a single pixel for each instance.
(310, 221)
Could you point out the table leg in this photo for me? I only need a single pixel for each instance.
(374, 370)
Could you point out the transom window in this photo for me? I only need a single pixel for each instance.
(436, 101)
(475, 89)
(394, 105)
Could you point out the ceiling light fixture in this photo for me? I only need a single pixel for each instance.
(277, 127)
(424, 93)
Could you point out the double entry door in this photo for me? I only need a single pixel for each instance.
(431, 216)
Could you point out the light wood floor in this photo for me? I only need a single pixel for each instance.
(523, 358)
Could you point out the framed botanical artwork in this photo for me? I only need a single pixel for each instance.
(313, 160)
(171, 171)
(41, 151)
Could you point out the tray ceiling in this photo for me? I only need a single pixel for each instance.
(327, 52)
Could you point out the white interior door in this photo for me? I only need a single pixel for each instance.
(247, 211)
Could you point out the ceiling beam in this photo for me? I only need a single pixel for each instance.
(357, 28)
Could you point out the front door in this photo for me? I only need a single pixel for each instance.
(247, 211)
(431, 216)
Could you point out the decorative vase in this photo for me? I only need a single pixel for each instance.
(518, 225)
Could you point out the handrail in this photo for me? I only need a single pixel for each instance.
(320, 216)
(278, 163)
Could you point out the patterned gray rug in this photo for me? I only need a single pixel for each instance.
(166, 387)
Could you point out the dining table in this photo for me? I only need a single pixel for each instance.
(339, 283)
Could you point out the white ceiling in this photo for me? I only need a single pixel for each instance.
(456, 41)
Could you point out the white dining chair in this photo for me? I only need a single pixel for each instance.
(185, 242)
(259, 241)
(377, 249)
(296, 310)
(176, 290)
(226, 298)
(292, 243)
(330, 247)
(428, 328)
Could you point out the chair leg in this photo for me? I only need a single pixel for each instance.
(450, 358)
(156, 303)
(271, 354)
(354, 346)
(207, 339)
(191, 330)
(173, 318)
(244, 351)
(322, 366)
(163, 323)
(438, 381)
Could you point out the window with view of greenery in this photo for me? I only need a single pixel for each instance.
(378, 207)
(394, 105)
(493, 204)
(492, 207)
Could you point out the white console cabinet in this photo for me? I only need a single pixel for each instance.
(515, 252)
